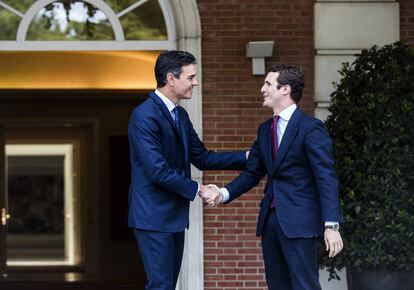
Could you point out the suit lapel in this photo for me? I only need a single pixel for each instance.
(165, 111)
(288, 137)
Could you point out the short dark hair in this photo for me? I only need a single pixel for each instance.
(292, 76)
(171, 62)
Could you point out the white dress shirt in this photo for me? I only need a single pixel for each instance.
(168, 103)
(283, 121)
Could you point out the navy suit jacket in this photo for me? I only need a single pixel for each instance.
(161, 186)
(302, 178)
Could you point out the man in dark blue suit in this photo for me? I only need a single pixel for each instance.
(163, 144)
(301, 194)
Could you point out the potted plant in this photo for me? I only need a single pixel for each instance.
(372, 128)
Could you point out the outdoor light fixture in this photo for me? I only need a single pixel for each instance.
(258, 50)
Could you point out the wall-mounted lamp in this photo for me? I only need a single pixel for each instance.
(258, 50)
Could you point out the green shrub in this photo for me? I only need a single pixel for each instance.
(372, 127)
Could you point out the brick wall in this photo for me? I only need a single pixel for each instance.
(232, 112)
(407, 21)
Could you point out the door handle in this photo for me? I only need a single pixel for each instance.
(4, 216)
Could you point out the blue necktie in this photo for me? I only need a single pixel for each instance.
(176, 118)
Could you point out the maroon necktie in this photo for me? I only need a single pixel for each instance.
(275, 147)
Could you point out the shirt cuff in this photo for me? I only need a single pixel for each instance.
(331, 223)
(225, 193)
(198, 188)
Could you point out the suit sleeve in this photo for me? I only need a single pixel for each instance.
(250, 176)
(204, 159)
(319, 150)
(145, 138)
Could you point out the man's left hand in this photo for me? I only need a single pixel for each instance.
(333, 242)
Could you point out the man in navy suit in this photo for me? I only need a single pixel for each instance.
(301, 194)
(163, 144)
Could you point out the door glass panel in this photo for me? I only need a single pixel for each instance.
(40, 203)
(36, 202)
(3, 208)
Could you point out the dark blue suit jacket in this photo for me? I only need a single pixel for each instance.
(302, 178)
(161, 186)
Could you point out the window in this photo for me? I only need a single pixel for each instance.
(75, 20)
(87, 24)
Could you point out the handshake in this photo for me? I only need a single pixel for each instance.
(211, 195)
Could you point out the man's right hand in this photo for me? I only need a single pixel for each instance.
(219, 198)
(210, 194)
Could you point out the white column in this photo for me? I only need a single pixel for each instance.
(342, 29)
(189, 39)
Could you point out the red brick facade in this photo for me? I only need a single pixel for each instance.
(232, 112)
(407, 21)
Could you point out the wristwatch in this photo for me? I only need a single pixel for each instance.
(334, 227)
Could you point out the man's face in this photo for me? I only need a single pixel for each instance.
(183, 86)
(271, 94)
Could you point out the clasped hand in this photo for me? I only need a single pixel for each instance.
(211, 195)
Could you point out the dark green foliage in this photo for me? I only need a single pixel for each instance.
(9, 22)
(46, 27)
(372, 126)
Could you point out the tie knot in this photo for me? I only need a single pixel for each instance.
(275, 118)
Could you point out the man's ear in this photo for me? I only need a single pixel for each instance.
(170, 79)
(287, 90)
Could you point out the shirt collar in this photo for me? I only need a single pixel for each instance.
(287, 113)
(170, 105)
